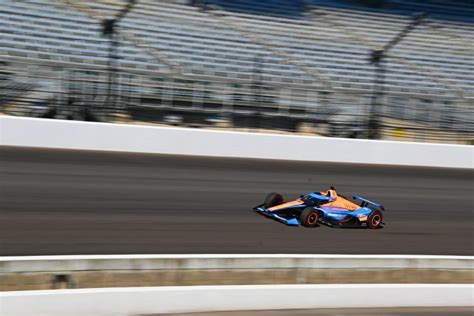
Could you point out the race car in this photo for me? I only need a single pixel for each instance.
(329, 208)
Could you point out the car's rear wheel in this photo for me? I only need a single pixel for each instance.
(309, 217)
(375, 220)
(273, 199)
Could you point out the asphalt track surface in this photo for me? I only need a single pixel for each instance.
(80, 202)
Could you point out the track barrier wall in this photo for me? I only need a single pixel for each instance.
(32, 132)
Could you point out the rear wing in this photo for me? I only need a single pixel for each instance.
(366, 202)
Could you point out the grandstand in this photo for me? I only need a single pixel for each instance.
(261, 64)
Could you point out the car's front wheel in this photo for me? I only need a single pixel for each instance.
(273, 199)
(375, 220)
(309, 217)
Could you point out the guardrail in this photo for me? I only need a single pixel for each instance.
(30, 132)
(30, 264)
(95, 271)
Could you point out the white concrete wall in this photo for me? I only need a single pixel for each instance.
(141, 301)
(149, 300)
(30, 264)
(15, 131)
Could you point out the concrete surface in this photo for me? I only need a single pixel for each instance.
(178, 299)
(45, 133)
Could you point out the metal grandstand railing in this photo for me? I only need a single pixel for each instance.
(178, 65)
(80, 94)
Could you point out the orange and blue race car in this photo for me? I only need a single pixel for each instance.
(329, 208)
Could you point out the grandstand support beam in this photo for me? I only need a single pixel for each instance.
(109, 31)
(377, 59)
(373, 128)
(108, 26)
(160, 56)
(257, 86)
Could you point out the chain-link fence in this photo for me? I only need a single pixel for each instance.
(63, 92)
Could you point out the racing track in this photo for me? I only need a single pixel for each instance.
(76, 202)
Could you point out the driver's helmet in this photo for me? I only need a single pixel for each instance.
(330, 193)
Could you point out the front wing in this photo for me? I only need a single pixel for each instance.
(288, 221)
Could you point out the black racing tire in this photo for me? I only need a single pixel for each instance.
(375, 220)
(273, 199)
(309, 217)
